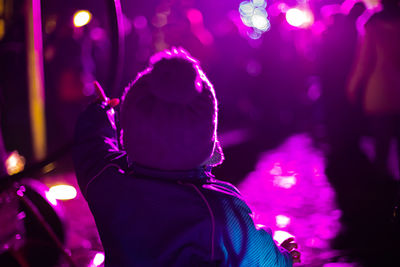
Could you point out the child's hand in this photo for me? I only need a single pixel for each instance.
(108, 102)
(102, 96)
(291, 246)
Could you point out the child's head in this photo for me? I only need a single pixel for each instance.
(169, 114)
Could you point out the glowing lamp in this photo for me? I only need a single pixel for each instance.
(62, 192)
(81, 18)
(299, 17)
(98, 259)
(15, 163)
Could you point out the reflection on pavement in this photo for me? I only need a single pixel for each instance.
(289, 192)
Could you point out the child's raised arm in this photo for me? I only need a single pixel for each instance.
(96, 145)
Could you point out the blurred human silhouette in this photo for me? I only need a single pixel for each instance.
(375, 82)
(338, 49)
(364, 195)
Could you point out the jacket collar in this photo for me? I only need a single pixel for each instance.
(199, 175)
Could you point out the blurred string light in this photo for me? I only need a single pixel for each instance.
(82, 18)
(254, 15)
(61, 192)
(299, 17)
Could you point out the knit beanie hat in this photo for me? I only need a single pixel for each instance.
(169, 115)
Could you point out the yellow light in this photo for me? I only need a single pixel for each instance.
(1, 7)
(15, 163)
(61, 192)
(81, 18)
(2, 28)
(48, 168)
(36, 79)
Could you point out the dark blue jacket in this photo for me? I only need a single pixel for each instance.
(148, 217)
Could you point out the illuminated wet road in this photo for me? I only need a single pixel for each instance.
(290, 193)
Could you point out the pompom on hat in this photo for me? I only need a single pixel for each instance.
(169, 115)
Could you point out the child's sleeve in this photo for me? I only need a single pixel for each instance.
(272, 254)
(96, 145)
(244, 243)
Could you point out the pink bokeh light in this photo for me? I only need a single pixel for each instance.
(194, 16)
(140, 22)
(285, 181)
(282, 221)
